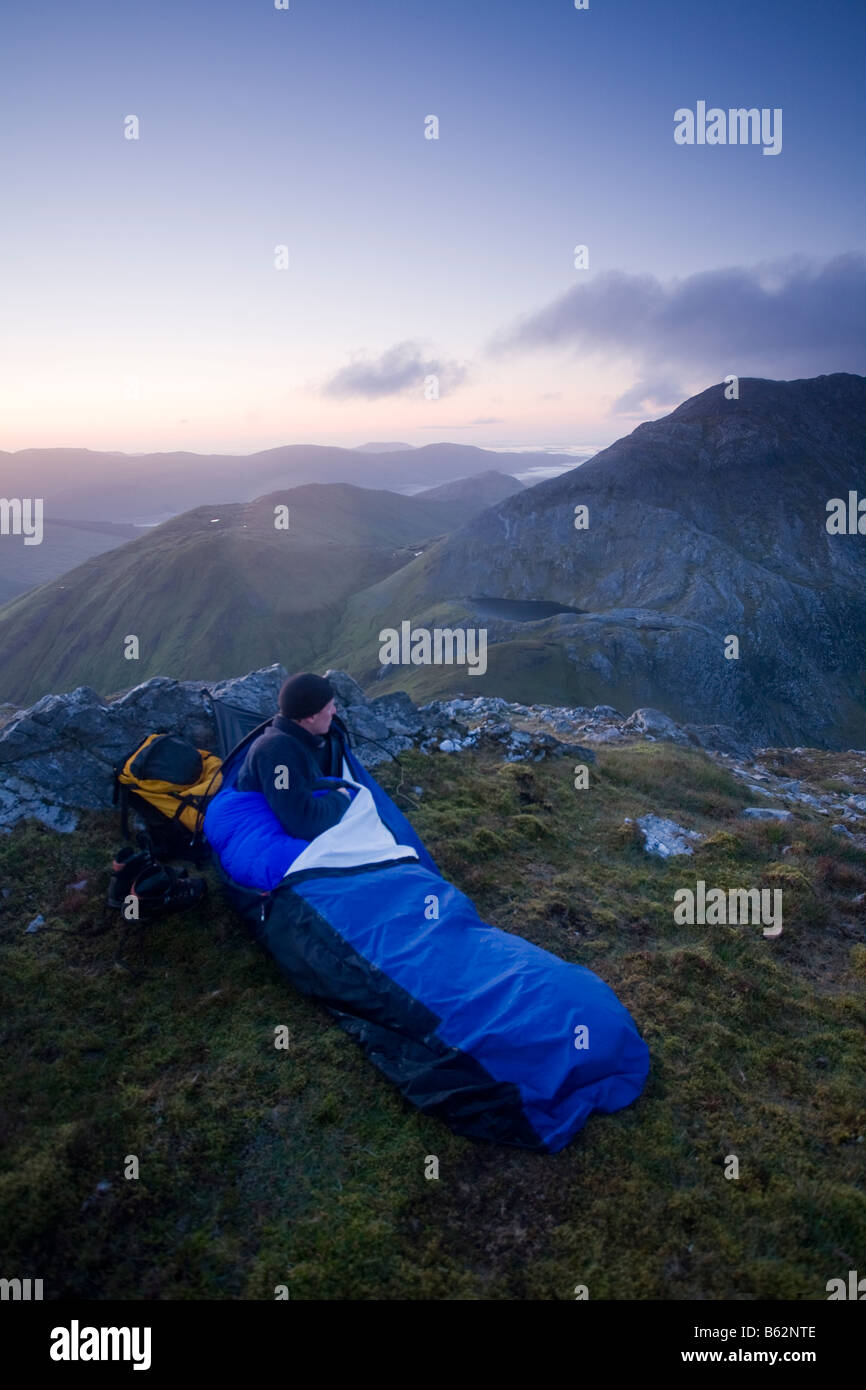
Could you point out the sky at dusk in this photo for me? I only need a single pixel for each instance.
(142, 307)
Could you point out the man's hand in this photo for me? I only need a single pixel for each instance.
(344, 790)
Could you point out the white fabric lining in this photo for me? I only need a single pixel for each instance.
(360, 837)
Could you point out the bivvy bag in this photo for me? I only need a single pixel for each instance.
(497, 1037)
(167, 781)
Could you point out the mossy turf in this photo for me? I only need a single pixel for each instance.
(303, 1167)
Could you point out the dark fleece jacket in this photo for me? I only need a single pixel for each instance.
(307, 757)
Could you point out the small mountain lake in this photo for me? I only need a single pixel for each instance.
(519, 610)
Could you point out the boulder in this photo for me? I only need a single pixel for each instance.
(610, 735)
(373, 738)
(664, 838)
(437, 722)
(398, 712)
(652, 724)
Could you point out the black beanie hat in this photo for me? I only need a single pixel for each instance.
(304, 694)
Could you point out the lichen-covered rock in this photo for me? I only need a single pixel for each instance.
(665, 838)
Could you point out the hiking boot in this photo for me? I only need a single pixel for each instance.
(126, 864)
(162, 889)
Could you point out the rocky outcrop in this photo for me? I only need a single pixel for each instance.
(57, 757)
(378, 728)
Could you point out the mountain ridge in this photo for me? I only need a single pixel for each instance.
(112, 486)
(706, 524)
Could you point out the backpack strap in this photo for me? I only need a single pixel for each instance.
(204, 798)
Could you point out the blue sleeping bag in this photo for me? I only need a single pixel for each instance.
(252, 845)
(498, 1037)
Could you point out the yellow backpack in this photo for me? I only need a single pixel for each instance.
(168, 782)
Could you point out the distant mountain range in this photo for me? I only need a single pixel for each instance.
(378, 448)
(480, 491)
(688, 567)
(83, 484)
(220, 588)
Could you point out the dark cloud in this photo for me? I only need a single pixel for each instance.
(399, 371)
(791, 317)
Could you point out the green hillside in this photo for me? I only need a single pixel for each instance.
(214, 592)
(65, 544)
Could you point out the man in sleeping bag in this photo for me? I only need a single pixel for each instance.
(500, 1038)
(286, 761)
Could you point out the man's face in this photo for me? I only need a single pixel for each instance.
(320, 723)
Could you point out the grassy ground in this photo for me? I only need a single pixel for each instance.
(303, 1166)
